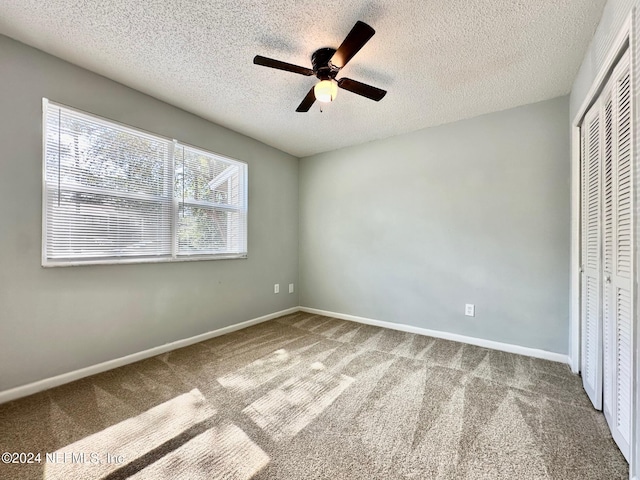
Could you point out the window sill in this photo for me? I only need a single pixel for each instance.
(139, 260)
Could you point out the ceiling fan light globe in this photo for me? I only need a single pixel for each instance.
(326, 90)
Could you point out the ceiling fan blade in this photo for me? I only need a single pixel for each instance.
(307, 102)
(287, 67)
(363, 89)
(356, 39)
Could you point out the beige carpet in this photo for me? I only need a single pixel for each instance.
(309, 397)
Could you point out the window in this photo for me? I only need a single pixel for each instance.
(115, 194)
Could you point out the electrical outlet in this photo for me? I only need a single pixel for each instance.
(276, 288)
(291, 288)
(470, 310)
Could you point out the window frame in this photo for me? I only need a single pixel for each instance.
(175, 255)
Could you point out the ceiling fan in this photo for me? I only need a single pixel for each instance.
(327, 63)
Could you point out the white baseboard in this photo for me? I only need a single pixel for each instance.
(40, 385)
(480, 342)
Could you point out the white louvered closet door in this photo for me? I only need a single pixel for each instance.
(591, 260)
(608, 317)
(617, 234)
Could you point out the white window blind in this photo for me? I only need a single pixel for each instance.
(116, 194)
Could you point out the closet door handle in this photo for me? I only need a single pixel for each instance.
(607, 279)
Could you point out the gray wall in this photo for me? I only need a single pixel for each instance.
(410, 228)
(57, 320)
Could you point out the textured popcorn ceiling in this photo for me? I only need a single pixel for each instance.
(440, 60)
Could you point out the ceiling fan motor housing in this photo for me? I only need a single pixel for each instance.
(322, 66)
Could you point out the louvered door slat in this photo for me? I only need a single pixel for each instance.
(623, 246)
(617, 299)
(591, 259)
(623, 370)
(608, 320)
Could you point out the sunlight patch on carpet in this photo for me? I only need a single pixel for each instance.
(287, 409)
(130, 439)
(258, 372)
(223, 452)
